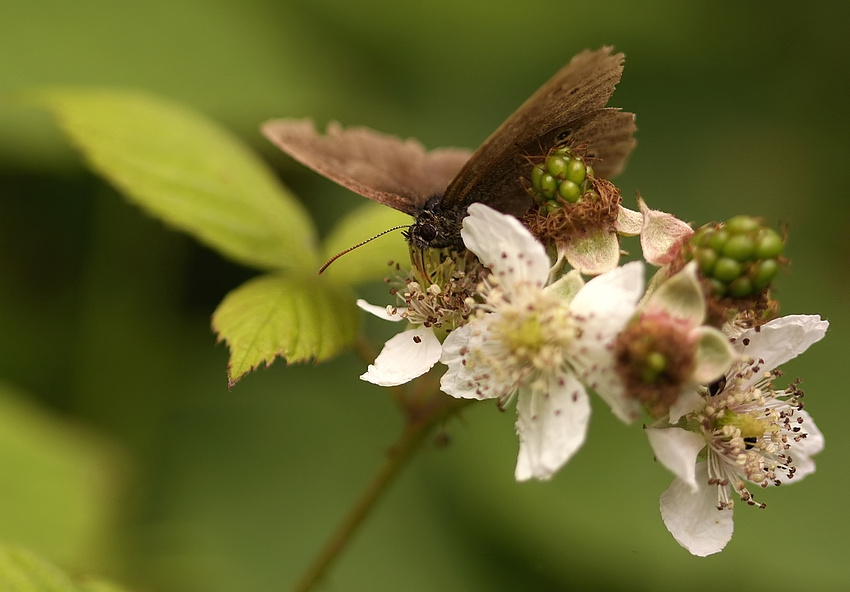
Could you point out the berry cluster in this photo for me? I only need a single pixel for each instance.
(739, 258)
(563, 177)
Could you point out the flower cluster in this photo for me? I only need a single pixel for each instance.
(513, 319)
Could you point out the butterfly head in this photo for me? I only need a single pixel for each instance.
(436, 227)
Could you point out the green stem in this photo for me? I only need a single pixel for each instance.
(420, 422)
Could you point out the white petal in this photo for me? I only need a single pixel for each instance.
(409, 354)
(594, 253)
(551, 425)
(693, 518)
(813, 442)
(688, 401)
(802, 451)
(505, 246)
(782, 339)
(458, 381)
(677, 450)
(610, 299)
(382, 312)
(599, 375)
(603, 306)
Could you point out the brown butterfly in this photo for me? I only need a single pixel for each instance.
(436, 187)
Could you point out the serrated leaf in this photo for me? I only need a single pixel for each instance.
(369, 261)
(23, 571)
(298, 318)
(188, 171)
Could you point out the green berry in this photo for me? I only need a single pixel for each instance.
(706, 259)
(717, 239)
(536, 175)
(742, 224)
(569, 191)
(576, 171)
(741, 287)
(557, 165)
(726, 269)
(548, 185)
(768, 244)
(698, 239)
(591, 195)
(718, 288)
(739, 247)
(763, 273)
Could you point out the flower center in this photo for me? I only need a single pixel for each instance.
(655, 358)
(534, 329)
(750, 430)
(439, 300)
(527, 336)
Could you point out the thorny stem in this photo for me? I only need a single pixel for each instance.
(422, 415)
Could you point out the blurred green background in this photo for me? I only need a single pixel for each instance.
(123, 453)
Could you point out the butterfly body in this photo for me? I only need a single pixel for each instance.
(436, 187)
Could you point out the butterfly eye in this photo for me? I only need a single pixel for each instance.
(427, 232)
(424, 232)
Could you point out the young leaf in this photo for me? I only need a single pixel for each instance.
(188, 171)
(369, 261)
(296, 317)
(23, 571)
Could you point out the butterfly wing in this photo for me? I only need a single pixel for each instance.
(569, 108)
(395, 172)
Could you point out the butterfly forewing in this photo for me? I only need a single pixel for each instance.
(395, 172)
(569, 108)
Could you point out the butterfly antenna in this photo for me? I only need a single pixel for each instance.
(360, 244)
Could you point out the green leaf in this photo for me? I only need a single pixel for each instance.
(23, 571)
(52, 481)
(296, 317)
(369, 261)
(188, 171)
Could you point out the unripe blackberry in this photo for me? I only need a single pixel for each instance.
(562, 177)
(739, 258)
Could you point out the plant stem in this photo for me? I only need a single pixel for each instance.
(419, 424)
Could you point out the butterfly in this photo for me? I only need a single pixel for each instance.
(436, 187)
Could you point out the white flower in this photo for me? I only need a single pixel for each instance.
(535, 340)
(749, 431)
(435, 306)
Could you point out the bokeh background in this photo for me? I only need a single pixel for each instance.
(123, 453)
